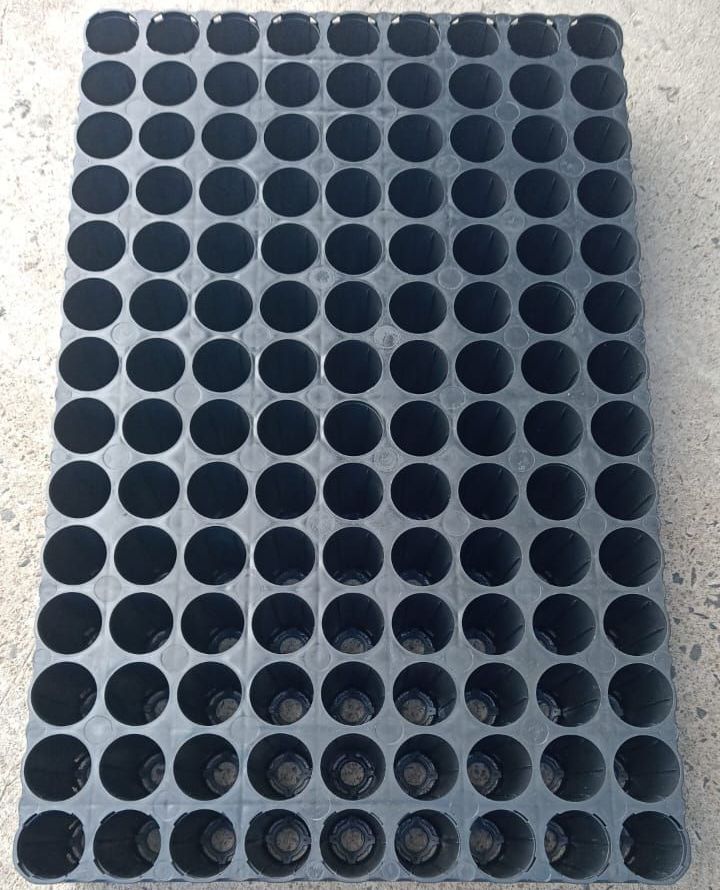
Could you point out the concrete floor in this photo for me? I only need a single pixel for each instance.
(673, 71)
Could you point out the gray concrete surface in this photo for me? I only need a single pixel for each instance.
(673, 72)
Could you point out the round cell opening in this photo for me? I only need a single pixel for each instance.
(499, 767)
(231, 83)
(141, 623)
(352, 556)
(84, 425)
(292, 84)
(427, 843)
(421, 556)
(419, 428)
(553, 428)
(202, 843)
(630, 557)
(647, 769)
(353, 694)
(488, 491)
(544, 249)
(564, 624)
(69, 623)
(539, 139)
(108, 83)
(286, 427)
(353, 85)
(477, 138)
(126, 844)
(419, 366)
(353, 366)
(161, 247)
(225, 248)
(534, 36)
(223, 306)
(209, 694)
(480, 249)
(112, 32)
(426, 767)
(577, 845)
(293, 34)
(96, 246)
(496, 694)
(473, 35)
(568, 695)
(420, 491)
(635, 624)
(289, 248)
(593, 36)
(352, 843)
(217, 490)
(219, 427)
(287, 366)
(283, 623)
(281, 693)
(132, 767)
(416, 193)
(353, 307)
(490, 556)
(279, 767)
(277, 843)
(542, 193)
(74, 555)
(601, 139)
(57, 767)
(288, 306)
(536, 86)
(654, 846)
(163, 190)
(353, 767)
(79, 489)
(475, 85)
(353, 428)
(479, 193)
(291, 137)
(547, 308)
(482, 307)
(353, 34)
(415, 138)
(418, 307)
(206, 767)
(353, 623)
(166, 136)
(414, 85)
(493, 624)
(88, 363)
(104, 135)
(353, 137)
(155, 364)
(158, 305)
(486, 428)
(597, 87)
(502, 844)
(227, 191)
(353, 491)
(413, 34)
(572, 768)
(424, 694)
(484, 366)
(212, 623)
(285, 491)
(215, 555)
(353, 192)
(172, 33)
(284, 555)
(137, 693)
(230, 137)
(100, 189)
(169, 83)
(353, 249)
(145, 555)
(290, 192)
(417, 249)
(423, 624)
(560, 556)
(63, 694)
(625, 491)
(233, 33)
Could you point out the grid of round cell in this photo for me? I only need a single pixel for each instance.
(352, 501)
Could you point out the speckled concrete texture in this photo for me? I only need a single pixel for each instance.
(673, 70)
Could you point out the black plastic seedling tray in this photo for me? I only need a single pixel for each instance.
(352, 565)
